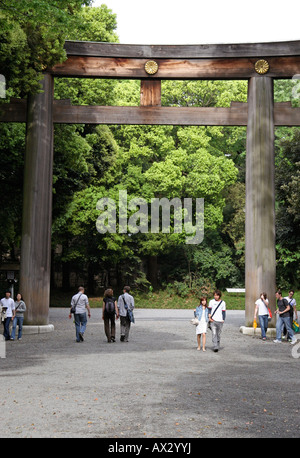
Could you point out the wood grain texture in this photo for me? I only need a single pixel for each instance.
(151, 115)
(260, 253)
(65, 113)
(37, 206)
(98, 49)
(186, 69)
(15, 111)
(150, 93)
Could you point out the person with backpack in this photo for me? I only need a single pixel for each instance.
(109, 314)
(125, 306)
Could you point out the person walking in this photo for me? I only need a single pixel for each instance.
(20, 308)
(216, 315)
(8, 305)
(201, 312)
(125, 303)
(293, 311)
(283, 318)
(261, 307)
(109, 314)
(79, 306)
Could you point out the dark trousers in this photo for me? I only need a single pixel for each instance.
(6, 323)
(125, 327)
(110, 327)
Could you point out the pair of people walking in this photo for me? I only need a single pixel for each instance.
(213, 316)
(12, 311)
(111, 310)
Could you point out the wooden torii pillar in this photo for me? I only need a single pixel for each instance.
(260, 253)
(35, 266)
(259, 63)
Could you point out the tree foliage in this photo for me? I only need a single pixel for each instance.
(32, 36)
(92, 162)
(287, 182)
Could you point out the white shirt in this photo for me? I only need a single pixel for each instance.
(82, 302)
(9, 304)
(292, 301)
(262, 309)
(129, 302)
(213, 304)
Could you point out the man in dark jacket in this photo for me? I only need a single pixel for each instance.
(283, 319)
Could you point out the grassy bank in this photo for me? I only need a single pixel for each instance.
(160, 300)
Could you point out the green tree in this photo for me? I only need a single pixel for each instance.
(32, 36)
(287, 181)
(12, 144)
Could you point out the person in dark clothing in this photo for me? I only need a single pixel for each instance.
(283, 314)
(109, 314)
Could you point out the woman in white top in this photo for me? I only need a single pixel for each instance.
(261, 306)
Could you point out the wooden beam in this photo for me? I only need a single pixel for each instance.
(198, 116)
(150, 93)
(285, 115)
(186, 69)
(65, 113)
(98, 49)
(15, 111)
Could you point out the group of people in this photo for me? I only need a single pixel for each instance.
(213, 315)
(286, 312)
(12, 311)
(210, 315)
(112, 310)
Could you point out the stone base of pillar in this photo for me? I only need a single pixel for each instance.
(250, 331)
(38, 329)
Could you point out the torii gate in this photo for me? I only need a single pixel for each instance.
(258, 63)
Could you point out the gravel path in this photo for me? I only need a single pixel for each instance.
(157, 385)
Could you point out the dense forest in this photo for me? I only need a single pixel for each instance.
(92, 162)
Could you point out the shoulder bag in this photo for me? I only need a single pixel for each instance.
(129, 312)
(73, 309)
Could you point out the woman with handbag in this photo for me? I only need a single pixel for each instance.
(201, 312)
(262, 307)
